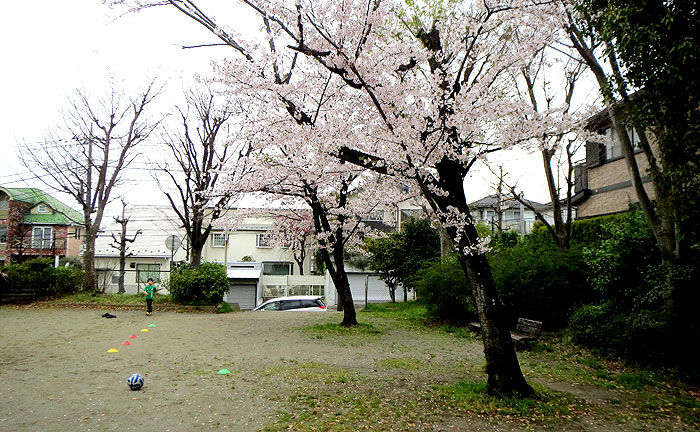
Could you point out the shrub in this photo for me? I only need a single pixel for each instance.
(224, 308)
(638, 336)
(203, 286)
(623, 263)
(445, 291)
(69, 280)
(537, 280)
(629, 315)
(40, 275)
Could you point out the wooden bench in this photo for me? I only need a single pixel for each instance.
(525, 330)
(18, 295)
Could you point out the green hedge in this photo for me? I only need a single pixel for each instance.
(443, 288)
(203, 286)
(536, 280)
(40, 275)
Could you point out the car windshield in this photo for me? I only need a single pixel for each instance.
(271, 306)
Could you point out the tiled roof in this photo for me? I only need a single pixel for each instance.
(63, 213)
(508, 202)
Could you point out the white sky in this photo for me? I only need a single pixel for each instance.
(51, 48)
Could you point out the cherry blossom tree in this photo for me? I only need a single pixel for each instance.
(338, 195)
(419, 93)
(294, 231)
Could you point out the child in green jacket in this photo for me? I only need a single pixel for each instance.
(150, 291)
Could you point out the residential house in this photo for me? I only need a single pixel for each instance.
(256, 268)
(34, 224)
(602, 181)
(515, 216)
(161, 242)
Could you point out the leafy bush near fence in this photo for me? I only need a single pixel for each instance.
(444, 290)
(40, 275)
(69, 280)
(203, 286)
(628, 316)
(536, 280)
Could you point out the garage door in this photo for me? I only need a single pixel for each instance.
(243, 294)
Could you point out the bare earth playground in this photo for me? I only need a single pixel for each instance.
(57, 374)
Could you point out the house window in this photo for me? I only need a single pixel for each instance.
(116, 277)
(42, 237)
(613, 149)
(77, 233)
(277, 268)
(262, 240)
(218, 239)
(3, 234)
(4, 202)
(145, 271)
(375, 216)
(42, 208)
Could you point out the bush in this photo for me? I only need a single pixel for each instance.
(445, 291)
(69, 280)
(537, 280)
(203, 286)
(623, 264)
(638, 336)
(629, 316)
(40, 275)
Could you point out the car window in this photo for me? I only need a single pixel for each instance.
(290, 304)
(309, 303)
(272, 306)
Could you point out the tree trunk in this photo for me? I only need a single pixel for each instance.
(343, 286)
(89, 260)
(560, 233)
(446, 244)
(336, 270)
(122, 266)
(196, 255)
(300, 263)
(502, 367)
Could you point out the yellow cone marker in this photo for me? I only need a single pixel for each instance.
(112, 350)
(144, 330)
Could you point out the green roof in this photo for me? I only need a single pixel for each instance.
(63, 213)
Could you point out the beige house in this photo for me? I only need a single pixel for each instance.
(257, 269)
(602, 182)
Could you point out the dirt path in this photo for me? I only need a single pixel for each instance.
(57, 375)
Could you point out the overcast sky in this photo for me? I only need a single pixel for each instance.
(51, 48)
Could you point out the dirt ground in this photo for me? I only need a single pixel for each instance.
(56, 373)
